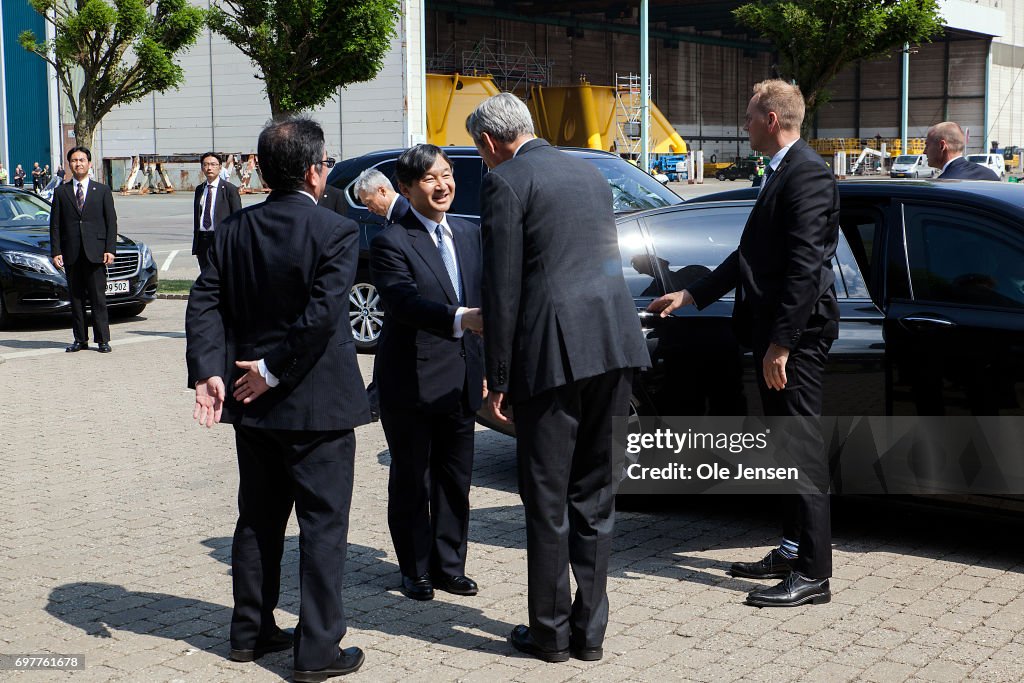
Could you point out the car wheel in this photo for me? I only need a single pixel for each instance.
(720, 176)
(127, 311)
(365, 315)
(751, 177)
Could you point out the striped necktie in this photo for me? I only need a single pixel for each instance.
(79, 197)
(449, 260)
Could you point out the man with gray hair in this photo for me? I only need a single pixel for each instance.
(377, 193)
(944, 147)
(561, 344)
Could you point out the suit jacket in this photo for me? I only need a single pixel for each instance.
(334, 199)
(419, 363)
(782, 270)
(399, 210)
(85, 234)
(228, 201)
(556, 306)
(277, 288)
(963, 169)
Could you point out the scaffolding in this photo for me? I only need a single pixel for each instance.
(628, 114)
(513, 65)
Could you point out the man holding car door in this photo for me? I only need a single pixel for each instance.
(786, 311)
(83, 239)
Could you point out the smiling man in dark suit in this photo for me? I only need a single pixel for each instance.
(429, 373)
(266, 319)
(215, 200)
(944, 147)
(83, 240)
(562, 339)
(786, 311)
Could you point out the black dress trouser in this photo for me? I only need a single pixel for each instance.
(313, 470)
(569, 472)
(807, 517)
(88, 280)
(428, 488)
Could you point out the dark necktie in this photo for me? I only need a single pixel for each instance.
(79, 198)
(767, 174)
(449, 260)
(207, 219)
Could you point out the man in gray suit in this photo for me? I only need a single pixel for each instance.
(561, 344)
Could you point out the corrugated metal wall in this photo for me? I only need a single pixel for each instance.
(27, 115)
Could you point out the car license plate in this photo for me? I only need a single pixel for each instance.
(117, 287)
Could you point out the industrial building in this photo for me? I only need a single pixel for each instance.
(702, 65)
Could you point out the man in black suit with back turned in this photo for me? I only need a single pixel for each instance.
(83, 241)
(429, 374)
(944, 147)
(215, 200)
(562, 339)
(786, 311)
(270, 351)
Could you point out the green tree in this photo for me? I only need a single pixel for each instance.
(307, 49)
(816, 39)
(124, 48)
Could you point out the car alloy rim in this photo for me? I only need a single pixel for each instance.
(364, 312)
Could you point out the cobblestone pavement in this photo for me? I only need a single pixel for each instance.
(118, 511)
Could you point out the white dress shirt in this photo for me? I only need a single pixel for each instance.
(430, 226)
(85, 189)
(213, 203)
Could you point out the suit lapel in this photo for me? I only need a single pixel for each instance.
(425, 247)
(463, 253)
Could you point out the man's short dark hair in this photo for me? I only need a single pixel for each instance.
(211, 154)
(83, 150)
(416, 161)
(287, 149)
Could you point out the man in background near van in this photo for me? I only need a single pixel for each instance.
(944, 146)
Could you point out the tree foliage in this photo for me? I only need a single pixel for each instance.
(124, 48)
(816, 39)
(307, 49)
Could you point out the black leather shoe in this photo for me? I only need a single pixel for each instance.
(586, 654)
(459, 585)
(796, 589)
(521, 640)
(774, 565)
(76, 346)
(419, 588)
(348, 661)
(282, 640)
(104, 347)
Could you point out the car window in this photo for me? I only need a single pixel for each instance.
(18, 209)
(632, 189)
(861, 229)
(962, 257)
(637, 268)
(468, 176)
(691, 243)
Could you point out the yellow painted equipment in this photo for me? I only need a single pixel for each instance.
(853, 146)
(585, 116)
(575, 116)
(450, 99)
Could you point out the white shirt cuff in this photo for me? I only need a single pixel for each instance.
(457, 330)
(267, 374)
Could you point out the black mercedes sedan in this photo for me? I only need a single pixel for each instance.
(30, 285)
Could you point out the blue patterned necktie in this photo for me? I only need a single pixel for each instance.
(767, 174)
(449, 260)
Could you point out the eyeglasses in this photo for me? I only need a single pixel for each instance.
(208, 164)
(329, 162)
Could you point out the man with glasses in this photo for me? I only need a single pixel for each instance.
(270, 351)
(215, 200)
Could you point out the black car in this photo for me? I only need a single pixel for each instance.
(930, 283)
(632, 190)
(31, 285)
(746, 170)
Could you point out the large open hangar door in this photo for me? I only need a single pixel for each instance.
(702, 65)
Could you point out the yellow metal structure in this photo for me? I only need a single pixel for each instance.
(450, 99)
(584, 116)
(576, 116)
(853, 146)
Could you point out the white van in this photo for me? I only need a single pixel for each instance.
(993, 161)
(911, 166)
